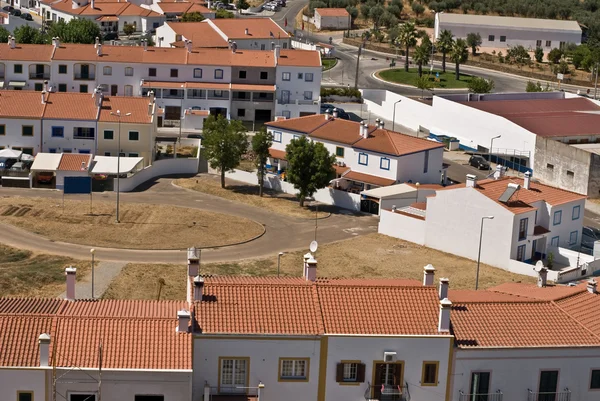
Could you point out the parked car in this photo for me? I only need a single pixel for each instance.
(18, 166)
(27, 16)
(282, 3)
(479, 162)
(341, 112)
(16, 13)
(230, 6)
(589, 235)
(7, 9)
(45, 177)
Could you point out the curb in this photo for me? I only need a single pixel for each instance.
(374, 76)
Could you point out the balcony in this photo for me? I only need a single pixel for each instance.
(38, 75)
(564, 395)
(298, 102)
(84, 77)
(386, 392)
(224, 393)
(497, 396)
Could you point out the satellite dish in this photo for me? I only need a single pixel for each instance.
(313, 246)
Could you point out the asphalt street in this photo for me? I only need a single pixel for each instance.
(15, 22)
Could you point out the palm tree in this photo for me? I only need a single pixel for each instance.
(422, 53)
(459, 54)
(408, 38)
(445, 43)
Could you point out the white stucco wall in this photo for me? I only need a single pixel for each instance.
(29, 379)
(400, 226)
(14, 138)
(68, 142)
(296, 87)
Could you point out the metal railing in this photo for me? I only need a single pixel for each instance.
(232, 392)
(85, 77)
(13, 173)
(36, 75)
(497, 396)
(564, 395)
(83, 136)
(386, 392)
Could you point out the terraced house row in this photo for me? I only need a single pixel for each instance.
(307, 338)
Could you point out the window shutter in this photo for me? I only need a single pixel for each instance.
(339, 373)
(360, 373)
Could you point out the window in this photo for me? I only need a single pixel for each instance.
(82, 397)
(538, 43)
(285, 45)
(197, 72)
(242, 74)
(595, 380)
(384, 163)
(27, 151)
(286, 113)
(491, 38)
(350, 372)
(128, 90)
(295, 369)
(241, 112)
(62, 69)
(426, 162)
(308, 77)
(218, 93)
(219, 74)
(548, 43)
(18, 69)
(128, 71)
(276, 136)
(561, 45)
(151, 72)
(521, 253)
(84, 132)
(107, 153)
(300, 75)
(174, 72)
(134, 136)
(234, 373)
(308, 95)
(550, 166)
(133, 155)
(576, 212)
(502, 38)
(24, 395)
(573, 237)
(83, 88)
(286, 76)
(62, 87)
(554, 241)
(557, 217)
(107, 70)
(52, 150)
(264, 75)
(38, 87)
(570, 174)
(58, 132)
(84, 151)
(430, 373)
(27, 130)
(149, 398)
(339, 151)
(363, 159)
(2, 129)
(523, 229)
(262, 47)
(109, 135)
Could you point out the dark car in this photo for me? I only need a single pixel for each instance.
(589, 235)
(27, 16)
(341, 112)
(8, 9)
(479, 162)
(16, 13)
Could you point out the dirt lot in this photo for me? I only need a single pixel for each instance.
(368, 256)
(142, 226)
(24, 274)
(241, 192)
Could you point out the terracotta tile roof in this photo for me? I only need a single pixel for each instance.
(178, 7)
(336, 130)
(472, 296)
(255, 88)
(123, 308)
(258, 28)
(26, 52)
(186, 85)
(107, 8)
(120, 54)
(19, 339)
(332, 12)
(548, 293)
(584, 307)
(299, 58)
(241, 58)
(21, 104)
(395, 143)
(368, 178)
(70, 106)
(205, 113)
(254, 280)
(277, 154)
(108, 18)
(540, 230)
(201, 34)
(377, 282)
(197, 8)
(340, 170)
(137, 106)
(26, 306)
(74, 162)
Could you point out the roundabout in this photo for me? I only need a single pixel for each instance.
(437, 79)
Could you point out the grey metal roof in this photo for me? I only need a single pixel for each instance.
(510, 22)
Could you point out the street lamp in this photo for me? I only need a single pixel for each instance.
(119, 115)
(491, 147)
(479, 254)
(394, 115)
(92, 251)
(279, 262)
(181, 113)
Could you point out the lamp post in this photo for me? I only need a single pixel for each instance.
(279, 262)
(119, 115)
(491, 147)
(92, 251)
(479, 254)
(181, 114)
(394, 115)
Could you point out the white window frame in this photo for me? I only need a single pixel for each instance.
(231, 380)
(128, 90)
(277, 136)
(350, 372)
(290, 368)
(129, 71)
(286, 76)
(107, 70)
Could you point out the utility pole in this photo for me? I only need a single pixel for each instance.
(358, 65)
(596, 82)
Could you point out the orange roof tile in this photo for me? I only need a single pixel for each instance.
(258, 28)
(395, 143)
(277, 154)
(256, 88)
(74, 162)
(70, 106)
(340, 170)
(137, 106)
(584, 307)
(368, 178)
(332, 12)
(178, 7)
(299, 58)
(548, 293)
(21, 104)
(26, 306)
(108, 18)
(201, 34)
(463, 296)
(242, 58)
(197, 8)
(120, 54)
(121, 308)
(19, 339)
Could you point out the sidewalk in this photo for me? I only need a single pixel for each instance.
(104, 274)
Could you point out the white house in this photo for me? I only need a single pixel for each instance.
(332, 18)
(21, 121)
(497, 31)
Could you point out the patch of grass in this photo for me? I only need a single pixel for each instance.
(446, 80)
(367, 256)
(24, 274)
(142, 226)
(328, 63)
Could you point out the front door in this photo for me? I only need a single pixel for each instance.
(388, 381)
(533, 250)
(285, 97)
(114, 89)
(548, 385)
(480, 386)
(234, 375)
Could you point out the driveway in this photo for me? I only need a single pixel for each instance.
(283, 233)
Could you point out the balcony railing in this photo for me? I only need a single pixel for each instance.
(386, 392)
(497, 396)
(83, 136)
(233, 393)
(85, 77)
(564, 395)
(36, 75)
(298, 102)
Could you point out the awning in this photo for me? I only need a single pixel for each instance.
(398, 190)
(254, 88)
(108, 164)
(17, 84)
(368, 179)
(188, 85)
(10, 153)
(539, 230)
(46, 162)
(277, 154)
(207, 85)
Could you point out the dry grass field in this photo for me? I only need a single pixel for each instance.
(142, 226)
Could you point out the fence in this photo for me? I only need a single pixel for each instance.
(401, 226)
(159, 168)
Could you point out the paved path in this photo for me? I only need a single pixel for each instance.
(283, 233)
(104, 273)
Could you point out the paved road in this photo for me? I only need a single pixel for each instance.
(282, 233)
(15, 22)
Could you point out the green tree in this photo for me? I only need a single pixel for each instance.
(422, 54)
(261, 142)
(225, 141)
(388, 20)
(536, 87)
(375, 14)
(480, 85)
(424, 84)
(148, 38)
(474, 41)
(418, 9)
(395, 10)
(539, 54)
(445, 43)
(310, 166)
(518, 54)
(75, 31)
(222, 13)
(459, 55)
(29, 35)
(242, 5)
(353, 11)
(554, 55)
(128, 29)
(407, 38)
(192, 17)
(4, 34)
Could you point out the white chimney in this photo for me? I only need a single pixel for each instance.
(306, 257)
(145, 44)
(444, 319)
(444, 284)
(246, 31)
(277, 52)
(198, 288)
(327, 115)
(272, 45)
(381, 124)
(93, 5)
(71, 274)
(499, 172)
(43, 97)
(377, 122)
(471, 181)
(150, 107)
(311, 269)
(183, 321)
(97, 42)
(527, 180)
(591, 286)
(335, 112)
(46, 86)
(11, 42)
(188, 45)
(99, 49)
(428, 274)
(193, 256)
(542, 277)
(233, 47)
(44, 344)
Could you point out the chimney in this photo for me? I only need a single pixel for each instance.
(444, 320)
(97, 42)
(542, 277)
(183, 321)
(393, 208)
(246, 31)
(306, 258)
(377, 122)
(327, 115)
(444, 283)
(527, 180)
(311, 269)
(277, 52)
(499, 172)
(365, 130)
(233, 47)
(188, 45)
(93, 5)
(145, 44)
(193, 256)
(150, 107)
(335, 113)
(71, 273)
(381, 124)
(272, 45)
(471, 181)
(99, 49)
(428, 274)
(591, 286)
(43, 97)
(198, 288)
(11, 42)
(46, 86)
(44, 344)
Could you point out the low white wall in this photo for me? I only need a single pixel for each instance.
(409, 113)
(158, 169)
(404, 227)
